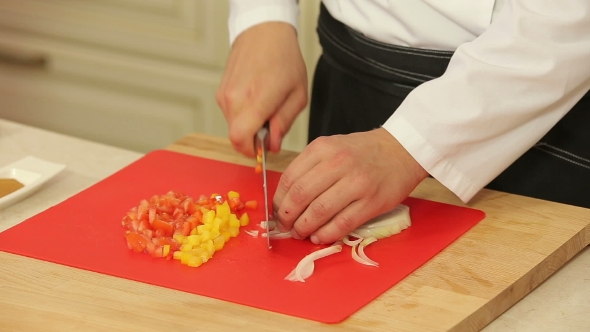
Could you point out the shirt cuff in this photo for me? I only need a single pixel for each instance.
(426, 155)
(246, 14)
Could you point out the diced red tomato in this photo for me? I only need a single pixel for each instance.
(152, 214)
(166, 228)
(235, 204)
(135, 242)
(251, 205)
(151, 226)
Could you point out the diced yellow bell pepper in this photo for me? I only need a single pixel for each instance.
(210, 247)
(178, 237)
(234, 221)
(166, 250)
(201, 229)
(244, 219)
(233, 194)
(214, 233)
(177, 254)
(217, 222)
(205, 256)
(218, 243)
(226, 235)
(185, 257)
(186, 247)
(205, 236)
(223, 211)
(193, 240)
(234, 231)
(209, 217)
(195, 261)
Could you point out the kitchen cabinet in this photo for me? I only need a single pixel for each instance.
(137, 74)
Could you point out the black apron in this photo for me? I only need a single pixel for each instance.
(359, 82)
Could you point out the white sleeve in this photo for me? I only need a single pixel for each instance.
(500, 94)
(244, 14)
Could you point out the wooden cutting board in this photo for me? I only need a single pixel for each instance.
(521, 242)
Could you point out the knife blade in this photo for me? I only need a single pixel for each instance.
(261, 144)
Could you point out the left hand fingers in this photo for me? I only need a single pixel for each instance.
(323, 208)
(300, 194)
(347, 220)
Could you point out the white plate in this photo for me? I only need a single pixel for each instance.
(32, 172)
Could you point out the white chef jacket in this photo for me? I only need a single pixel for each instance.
(518, 68)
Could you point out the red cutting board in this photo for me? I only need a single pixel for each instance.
(85, 232)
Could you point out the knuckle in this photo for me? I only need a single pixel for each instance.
(301, 227)
(319, 144)
(229, 96)
(344, 223)
(362, 179)
(237, 141)
(219, 97)
(319, 211)
(285, 181)
(342, 157)
(298, 193)
(301, 99)
(235, 138)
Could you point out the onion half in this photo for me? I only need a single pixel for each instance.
(387, 224)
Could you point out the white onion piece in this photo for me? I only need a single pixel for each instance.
(271, 224)
(278, 236)
(305, 267)
(387, 224)
(350, 242)
(291, 276)
(360, 259)
(353, 234)
(253, 233)
(361, 250)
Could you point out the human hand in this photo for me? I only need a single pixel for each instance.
(264, 79)
(340, 182)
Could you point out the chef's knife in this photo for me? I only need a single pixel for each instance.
(261, 143)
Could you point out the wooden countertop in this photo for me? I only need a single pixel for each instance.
(521, 242)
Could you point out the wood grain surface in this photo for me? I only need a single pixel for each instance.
(521, 242)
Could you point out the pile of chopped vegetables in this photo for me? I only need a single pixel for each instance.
(175, 226)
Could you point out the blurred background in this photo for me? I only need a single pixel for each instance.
(136, 74)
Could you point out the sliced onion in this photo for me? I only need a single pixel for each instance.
(291, 276)
(346, 239)
(271, 224)
(361, 250)
(359, 259)
(278, 236)
(305, 267)
(253, 233)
